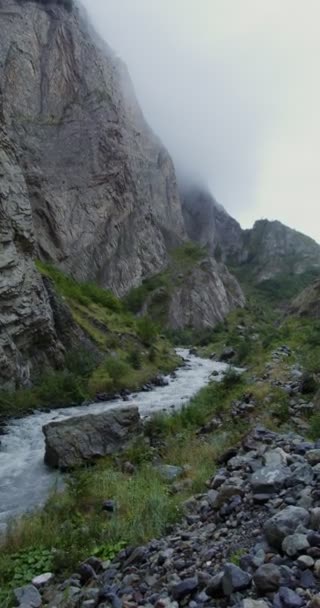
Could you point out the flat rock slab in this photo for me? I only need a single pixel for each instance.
(78, 441)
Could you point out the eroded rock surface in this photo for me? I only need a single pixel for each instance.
(102, 187)
(82, 440)
(27, 333)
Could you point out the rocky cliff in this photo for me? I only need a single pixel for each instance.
(209, 224)
(102, 187)
(268, 250)
(307, 304)
(27, 333)
(206, 295)
(271, 248)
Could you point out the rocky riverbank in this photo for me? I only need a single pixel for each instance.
(252, 540)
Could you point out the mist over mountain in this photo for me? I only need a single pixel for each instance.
(233, 90)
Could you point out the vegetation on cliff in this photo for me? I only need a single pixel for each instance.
(131, 351)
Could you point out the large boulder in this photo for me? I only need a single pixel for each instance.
(82, 440)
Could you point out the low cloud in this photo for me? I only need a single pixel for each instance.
(233, 90)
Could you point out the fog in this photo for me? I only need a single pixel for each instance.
(233, 89)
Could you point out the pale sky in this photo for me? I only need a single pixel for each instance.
(232, 87)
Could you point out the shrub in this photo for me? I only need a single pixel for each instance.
(231, 379)
(135, 359)
(116, 368)
(147, 330)
(60, 388)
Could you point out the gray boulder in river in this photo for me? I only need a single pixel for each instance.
(77, 441)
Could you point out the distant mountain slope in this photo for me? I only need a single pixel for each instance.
(271, 248)
(278, 259)
(210, 225)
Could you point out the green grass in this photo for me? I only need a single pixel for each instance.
(121, 339)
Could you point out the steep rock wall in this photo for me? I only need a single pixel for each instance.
(102, 187)
(27, 333)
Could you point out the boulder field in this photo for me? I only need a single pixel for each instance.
(252, 540)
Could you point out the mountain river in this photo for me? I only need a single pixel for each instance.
(25, 481)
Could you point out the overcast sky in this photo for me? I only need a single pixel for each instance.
(233, 89)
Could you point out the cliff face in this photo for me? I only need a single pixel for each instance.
(271, 248)
(102, 187)
(85, 185)
(27, 334)
(266, 251)
(209, 224)
(205, 297)
(307, 304)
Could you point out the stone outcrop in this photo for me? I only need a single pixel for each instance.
(82, 440)
(307, 304)
(204, 297)
(102, 187)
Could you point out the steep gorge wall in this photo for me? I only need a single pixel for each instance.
(102, 187)
(27, 334)
(85, 184)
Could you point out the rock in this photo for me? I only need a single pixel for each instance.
(267, 578)
(284, 523)
(289, 598)
(227, 354)
(313, 457)
(234, 579)
(87, 573)
(294, 544)
(28, 596)
(305, 561)
(165, 602)
(231, 487)
(314, 602)
(307, 580)
(275, 458)
(250, 603)
(301, 473)
(42, 579)
(269, 479)
(82, 440)
(314, 539)
(215, 588)
(184, 588)
(109, 505)
(315, 518)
